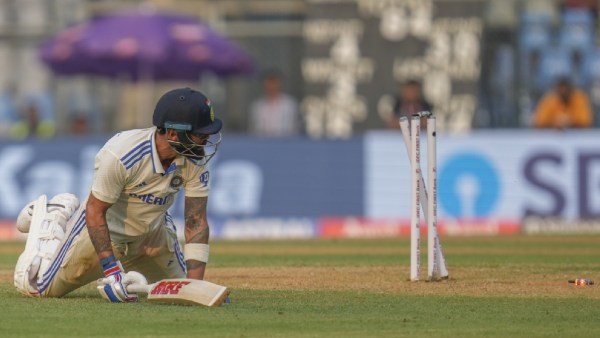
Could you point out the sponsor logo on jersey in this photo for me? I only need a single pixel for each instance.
(168, 288)
(152, 199)
(176, 182)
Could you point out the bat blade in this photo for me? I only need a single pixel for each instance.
(185, 291)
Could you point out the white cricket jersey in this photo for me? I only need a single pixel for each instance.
(128, 174)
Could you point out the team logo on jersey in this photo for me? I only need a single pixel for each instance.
(176, 181)
(204, 178)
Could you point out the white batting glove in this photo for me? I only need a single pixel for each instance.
(134, 278)
(113, 287)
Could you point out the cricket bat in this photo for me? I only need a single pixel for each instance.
(183, 291)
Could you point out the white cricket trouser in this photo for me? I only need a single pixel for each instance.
(156, 255)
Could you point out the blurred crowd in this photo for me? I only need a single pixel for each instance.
(540, 69)
(33, 115)
(274, 113)
(536, 49)
(30, 116)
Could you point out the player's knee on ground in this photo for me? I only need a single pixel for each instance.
(46, 223)
(63, 205)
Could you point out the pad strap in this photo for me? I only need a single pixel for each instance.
(196, 251)
(54, 217)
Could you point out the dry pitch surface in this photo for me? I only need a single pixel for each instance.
(329, 266)
(529, 267)
(499, 286)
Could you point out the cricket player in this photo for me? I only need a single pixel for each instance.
(123, 225)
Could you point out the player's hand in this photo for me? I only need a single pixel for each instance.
(113, 287)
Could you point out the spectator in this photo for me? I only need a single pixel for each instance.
(33, 123)
(564, 107)
(276, 113)
(589, 5)
(409, 102)
(545, 8)
(8, 110)
(79, 124)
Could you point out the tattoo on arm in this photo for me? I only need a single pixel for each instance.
(95, 218)
(100, 238)
(196, 224)
(199, 237)
(192, 264)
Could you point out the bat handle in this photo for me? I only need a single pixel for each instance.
(137, 288)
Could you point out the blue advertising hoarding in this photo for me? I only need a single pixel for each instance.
(492, 174)
(250, 177)
(301, 188)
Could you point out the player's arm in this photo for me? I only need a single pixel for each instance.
(113, 286)
(196, 236)
(108, 183)
(95, 217)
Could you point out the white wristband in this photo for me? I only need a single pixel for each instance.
(196, 251)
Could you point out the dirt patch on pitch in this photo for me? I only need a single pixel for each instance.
(510, 281)
(17, 249)
(283, 250)
(6, 276)
(270, 251)
(306, 250)
(487, 282)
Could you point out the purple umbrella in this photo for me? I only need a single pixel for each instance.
(144, 45)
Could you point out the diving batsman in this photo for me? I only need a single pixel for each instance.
(124, 225)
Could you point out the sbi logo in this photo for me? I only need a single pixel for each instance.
(468, 186)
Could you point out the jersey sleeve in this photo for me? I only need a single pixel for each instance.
(197, 182)
(109, 177)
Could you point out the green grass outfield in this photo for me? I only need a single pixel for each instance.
(499, 287)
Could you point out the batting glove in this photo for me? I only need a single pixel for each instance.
(113, 287)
